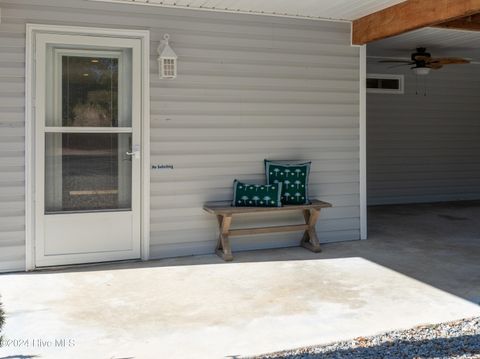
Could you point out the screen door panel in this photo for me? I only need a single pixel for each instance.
(89, 144)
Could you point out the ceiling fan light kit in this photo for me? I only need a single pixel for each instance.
(421, 71)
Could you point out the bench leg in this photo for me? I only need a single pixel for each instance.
(310, 239)
(223, 249)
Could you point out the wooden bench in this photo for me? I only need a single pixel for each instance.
(224, 212)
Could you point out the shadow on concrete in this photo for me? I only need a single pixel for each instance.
(429, 348)
(438, 244)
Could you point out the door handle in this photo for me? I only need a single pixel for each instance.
(134, 154)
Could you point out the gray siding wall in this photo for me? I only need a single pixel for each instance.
(248, 88)
(425, 148)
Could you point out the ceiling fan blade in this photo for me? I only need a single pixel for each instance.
(399, 65)
(398, 61)
(435, 66)
(449, 61)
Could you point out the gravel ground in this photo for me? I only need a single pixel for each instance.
(459, 339)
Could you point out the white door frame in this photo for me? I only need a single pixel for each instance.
(30, 173)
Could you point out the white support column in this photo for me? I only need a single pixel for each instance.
(363, 142)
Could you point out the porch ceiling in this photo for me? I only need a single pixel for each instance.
(313, 9)
(440, 42)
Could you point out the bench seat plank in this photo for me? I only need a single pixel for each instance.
(226, 207)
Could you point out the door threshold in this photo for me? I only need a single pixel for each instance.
(87, 266)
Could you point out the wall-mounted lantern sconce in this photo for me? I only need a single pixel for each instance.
(167, 60)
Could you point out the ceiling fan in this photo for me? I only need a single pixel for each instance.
(423, 61)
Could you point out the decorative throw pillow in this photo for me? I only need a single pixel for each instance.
(256, 195)
(294, 177)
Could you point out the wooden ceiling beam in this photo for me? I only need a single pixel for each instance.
(410, 15)
(471, 23)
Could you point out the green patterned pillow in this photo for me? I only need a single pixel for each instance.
(294, 177)
(256, 195)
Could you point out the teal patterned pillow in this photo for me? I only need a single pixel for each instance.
(256, 195)
(293, 176)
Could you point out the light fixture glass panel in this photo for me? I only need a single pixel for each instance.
(421, 70)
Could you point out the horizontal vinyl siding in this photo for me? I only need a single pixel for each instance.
(12, 145)
(248, 88)
(425, 148)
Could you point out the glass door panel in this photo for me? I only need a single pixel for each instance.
(89, 91)
(87, 172)
(89, 88)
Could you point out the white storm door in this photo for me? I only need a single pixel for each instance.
(87, 149)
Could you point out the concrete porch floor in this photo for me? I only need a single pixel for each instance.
(421, 265)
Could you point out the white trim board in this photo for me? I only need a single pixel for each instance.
(144, 36)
